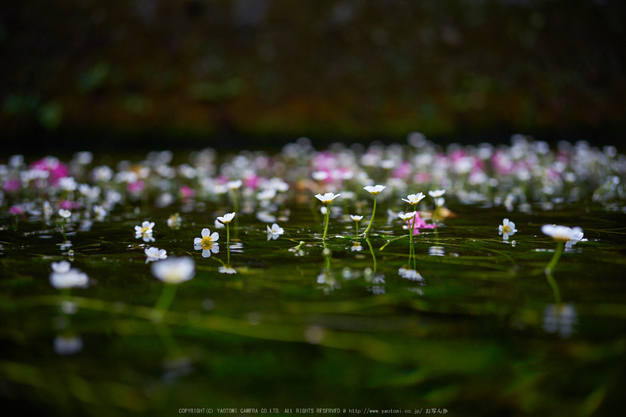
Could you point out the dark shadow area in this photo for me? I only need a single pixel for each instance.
(257, 74)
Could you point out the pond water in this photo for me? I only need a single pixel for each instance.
(454, 320)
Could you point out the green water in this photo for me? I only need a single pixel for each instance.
(294, 328)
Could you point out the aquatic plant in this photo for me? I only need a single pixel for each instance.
(226, 219)
(274, 231)
(326, 199)
(207, 243)
(155, 254)
(562, 235)
(373, 190)
(145, 231)
(174, 270)
(506, 229)
(356, 219)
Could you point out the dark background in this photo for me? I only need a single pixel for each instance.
(150, 74)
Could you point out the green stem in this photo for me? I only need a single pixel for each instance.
(327, 221)
(168, 341)
(356, 229)
(411, 229)
(411, 255)
(326, 254)
(228, 233)
(166, 298)
(228, 252)
(390, 241)
(367, 239)
(555, 258)
(555, 288)
(436, 213)
(369, 226)
(63, 229)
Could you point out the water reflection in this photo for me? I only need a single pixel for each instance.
(67, 345)
(328, 282)
(436, 251)
(356, 247)
(560, 318)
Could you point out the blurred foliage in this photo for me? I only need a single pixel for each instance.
(351, 68)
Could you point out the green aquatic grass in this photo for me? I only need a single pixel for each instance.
(469, 337)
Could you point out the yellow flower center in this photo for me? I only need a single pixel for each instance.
(207, 243)
(506, 229)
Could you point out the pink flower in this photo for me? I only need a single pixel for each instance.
(135, 187)
(502, 163)
(12, 185)
(422, 177)
(16, 210)
(51, 164)
(65, 204)
(252, 181)
(403, 171)
(187, 192)
(420, 224)
(324, 161)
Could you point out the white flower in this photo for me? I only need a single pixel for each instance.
(507, 228)
(174, 221)
(387, 164)
(147, 237)
(155, 254)
(227, 218)
(356, 247)
(233, 185)
(374, 190)
(145, 228)
(326, 198)
(577, 236)
(219, 225)
(274, 231)
(174, 270)
(436, 193)
(413, 199)
(71, 278)
(100, 212)
(207, 243)
(102, 173)
(278, 184)
(66, 214)
(67, 183)
(407, 216)
(266, 194)
(356, 218)
(319, 175)
(220, 188)
(563, 233)
(47, 210)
